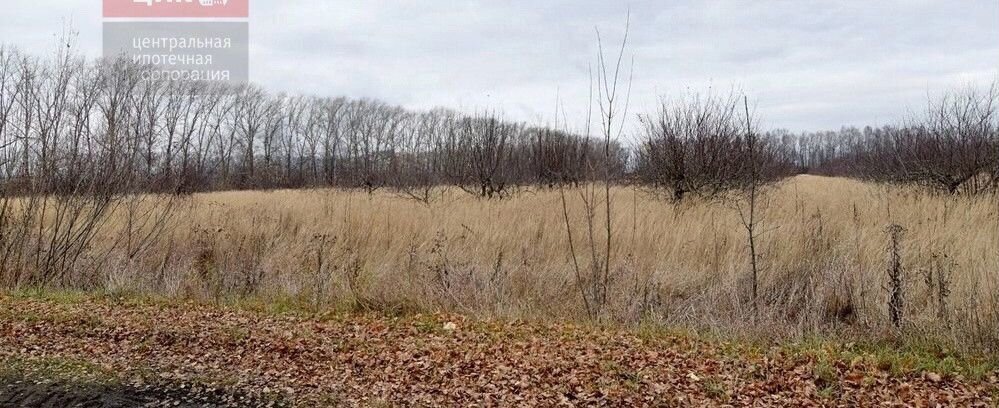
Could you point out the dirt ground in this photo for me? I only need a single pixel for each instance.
(429, 360)
(25, 392)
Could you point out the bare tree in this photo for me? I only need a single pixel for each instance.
(202, 136)
(692, 146)
(953, 148)
(612, 104)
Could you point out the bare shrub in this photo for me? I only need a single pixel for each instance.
(691, 146)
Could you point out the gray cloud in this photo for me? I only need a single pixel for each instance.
(807, 64)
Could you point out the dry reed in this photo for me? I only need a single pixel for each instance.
(823, 257)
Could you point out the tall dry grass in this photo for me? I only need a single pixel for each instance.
(823, 258)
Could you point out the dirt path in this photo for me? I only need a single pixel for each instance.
(22, 391)
(445, 361)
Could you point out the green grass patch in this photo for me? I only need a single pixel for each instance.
(899, 359)
(56, 369)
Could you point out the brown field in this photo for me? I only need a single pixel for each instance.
(823, 257)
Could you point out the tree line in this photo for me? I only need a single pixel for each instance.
(66, 122)
(952, 147)
(695, 145)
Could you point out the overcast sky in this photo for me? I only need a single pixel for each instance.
(807, 65)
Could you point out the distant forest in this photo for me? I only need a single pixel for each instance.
(68, 125)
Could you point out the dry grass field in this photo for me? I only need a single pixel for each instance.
(402, 219)
(824, 256)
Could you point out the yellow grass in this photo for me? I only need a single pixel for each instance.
(823, 256)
